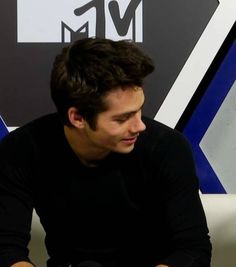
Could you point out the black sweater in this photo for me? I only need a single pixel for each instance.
(136, 209)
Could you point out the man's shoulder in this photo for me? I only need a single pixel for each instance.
(159, 135)
(39, 127)
(157, 130)
(153, 124)
(45, 120)
(38, 124)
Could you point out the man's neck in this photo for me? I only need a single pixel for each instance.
(88, 155)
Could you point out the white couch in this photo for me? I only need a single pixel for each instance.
(220, 211)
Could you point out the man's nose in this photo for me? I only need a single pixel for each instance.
(137, 125)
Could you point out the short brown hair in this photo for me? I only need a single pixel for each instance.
(84, 72)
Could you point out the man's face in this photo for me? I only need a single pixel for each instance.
(118, 127)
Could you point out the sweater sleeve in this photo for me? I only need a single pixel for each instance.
(189, 240)
(16, 204)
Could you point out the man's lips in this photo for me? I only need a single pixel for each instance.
(130, 140)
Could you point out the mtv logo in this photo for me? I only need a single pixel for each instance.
(56, 21)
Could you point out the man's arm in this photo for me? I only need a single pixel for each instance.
(16, 203)
(184, 213)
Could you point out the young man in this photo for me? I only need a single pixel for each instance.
(111, 188)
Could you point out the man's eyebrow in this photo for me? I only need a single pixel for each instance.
(126, 114)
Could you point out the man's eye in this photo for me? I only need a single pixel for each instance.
(121, 120)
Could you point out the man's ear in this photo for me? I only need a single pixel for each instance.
(75, 118)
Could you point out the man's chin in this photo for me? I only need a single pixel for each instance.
(125, 150)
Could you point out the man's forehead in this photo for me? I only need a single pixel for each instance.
(122, 90)
(123, 102)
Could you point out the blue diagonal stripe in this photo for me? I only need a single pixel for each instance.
(3, 128)
(204, 115)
